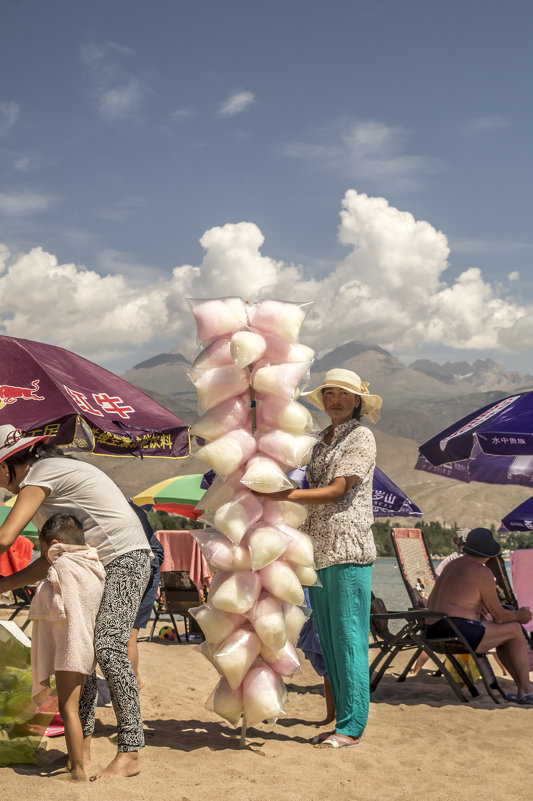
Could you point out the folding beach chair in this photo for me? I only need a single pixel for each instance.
(177, 595)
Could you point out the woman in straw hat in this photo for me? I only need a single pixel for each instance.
(340, 517)
(46, 482)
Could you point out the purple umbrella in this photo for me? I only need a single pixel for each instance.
(493, 445)
(520, 519)
(49, 390)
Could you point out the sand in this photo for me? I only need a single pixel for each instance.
(420, 743)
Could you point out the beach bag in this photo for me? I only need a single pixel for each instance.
(377, 607)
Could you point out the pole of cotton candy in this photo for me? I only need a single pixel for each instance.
(247, 375)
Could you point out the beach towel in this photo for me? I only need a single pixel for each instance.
(63, 612)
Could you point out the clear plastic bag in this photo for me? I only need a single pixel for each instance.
(247, 347)
(228, 452)
(283, 512)
(218, 384)
(280, 580)
(287, 415)
(307, 575)
(263, 695)
(263, 474)
(226, 702)
(278, 350)
(300, 549)
(235, 656)
(221, 491)
(216, 354)
(227, 416)
(268, 620)
(218, 316)
(235, 592)
(216, 624)
(235, 517)
(265, 545)
(285, 661)
(289, 449)
(281, 380)
(221, 553)
(295, 617)
(282, 318)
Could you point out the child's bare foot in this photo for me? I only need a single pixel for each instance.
(78, 775)
(140, 682)
(125, 763)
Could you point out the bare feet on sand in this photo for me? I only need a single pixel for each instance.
(126, 763)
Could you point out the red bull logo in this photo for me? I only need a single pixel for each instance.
(9, 394)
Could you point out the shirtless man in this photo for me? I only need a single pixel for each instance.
(464, 590)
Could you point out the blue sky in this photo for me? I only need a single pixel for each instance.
(130, 131)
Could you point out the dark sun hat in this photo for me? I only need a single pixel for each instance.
(480, 542)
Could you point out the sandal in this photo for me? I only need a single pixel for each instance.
(526, 700)
(513, 698)
(340, 741)
(319, 738)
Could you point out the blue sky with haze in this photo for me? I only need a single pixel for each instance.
(374, 157)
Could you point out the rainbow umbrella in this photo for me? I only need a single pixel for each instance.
(178, 495)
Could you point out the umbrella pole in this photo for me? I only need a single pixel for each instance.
(242, 741)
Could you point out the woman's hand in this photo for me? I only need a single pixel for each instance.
(28, 501)
(282, 495)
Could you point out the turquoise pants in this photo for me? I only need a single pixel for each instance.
(341, 609)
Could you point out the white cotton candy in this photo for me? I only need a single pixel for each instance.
(289, 415)
(283, 512)
(246, 348)
(222, 490)
(285, 661)
(216, 354)
(215, 624)
(235, 517)
(228, 416)
(268, 620)
(236, 655)
(300, 549)
(279, 350)
(306, 575)
(278, 317)
(229, 451)
(295, 617)
(221, 553)
(293, 451)
(263, 474)
(281, 580)
(279, 379)
(263, 695)
(226, 702)
(219, 384)
(214, 318)
(265, 544)
(234, 592)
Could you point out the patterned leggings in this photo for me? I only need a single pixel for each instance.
(126, 578)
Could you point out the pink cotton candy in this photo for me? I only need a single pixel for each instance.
(235, 517)
(215, 624)
(219, 384)
(268, 620)
(265, 544)
(300, 549)
(279, 379)
(246, 347)
(216, 354)
(285, 661)
(293, 451)
(236, 655)
(234, 592)
(226, 702)
(306, 575)
(228, 416)
(283, 512)
(278, 317)
(288, 415)
(214, 318)
(280, 579)
(222, 490)
(229, 451)
(263, 474)
(263, 695)
(279, 350)
(221, 553)
(295, 617)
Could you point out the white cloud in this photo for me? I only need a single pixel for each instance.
(236, 104)
(122, 209)
(9, 114)
(369, 151)
(24, 202)
(514, 276)
(120, 102)
(181, 114)
(390, 289)
(479, 125)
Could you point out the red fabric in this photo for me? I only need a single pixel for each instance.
(522, 573)
(182, 552)
(179, 509)
(16, 557)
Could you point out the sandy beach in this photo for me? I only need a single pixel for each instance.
(420, 743)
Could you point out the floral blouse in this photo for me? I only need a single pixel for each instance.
(341, 531)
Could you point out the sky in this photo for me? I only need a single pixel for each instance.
(371, 156)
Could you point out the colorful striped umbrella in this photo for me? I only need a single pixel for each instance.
(178, 496)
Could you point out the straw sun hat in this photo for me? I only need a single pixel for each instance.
(12, 440)
(350, 381)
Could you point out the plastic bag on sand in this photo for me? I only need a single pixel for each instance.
(265, 544)
(288, 415)
(300, 549)
(235, 592)
(263, 474)
(278, 350)
(293, 451)
(226, 702)
(285, 661)
(235, 517)
(235, 656)
(228, 452)
(276, 513)
(307, 576)
(215, 624)
(281, 580)
(216, 354)
(232, 414)
(222, 490)
(263, 695)
(279, 317)
(281, 380)
(246, 348)
(221, 553)
(218, 384)
(268, 620)
(295, 617)
(217, 317)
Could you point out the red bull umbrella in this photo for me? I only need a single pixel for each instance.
(51, 391)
